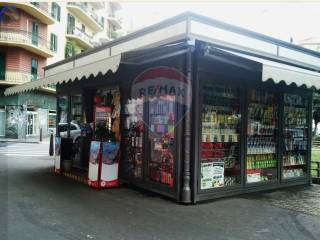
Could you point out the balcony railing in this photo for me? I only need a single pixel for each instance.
(79, 33)
(85, 8)
(24, 37)
(17, 77)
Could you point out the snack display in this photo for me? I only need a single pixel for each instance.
(295, 136)
(261, 137)
(220, 158)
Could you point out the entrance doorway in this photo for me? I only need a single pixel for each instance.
(32, 123)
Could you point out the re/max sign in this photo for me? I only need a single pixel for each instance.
(162, 90)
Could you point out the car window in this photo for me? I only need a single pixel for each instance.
(63, 128)
(73, 127)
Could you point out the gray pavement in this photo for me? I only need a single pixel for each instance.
(37, 205)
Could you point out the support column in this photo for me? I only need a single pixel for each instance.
(186, 190)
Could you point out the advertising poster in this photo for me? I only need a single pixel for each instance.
(110, 152)
(102, 113)
(57, 153)
(57, 145)
(94, 152)
(206, 175)
(110, 165)
(93, 175)
(218, 174)
(212, 175)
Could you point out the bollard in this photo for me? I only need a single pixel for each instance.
(51, 145)
(40, 134)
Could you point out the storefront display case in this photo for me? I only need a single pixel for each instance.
(220, 156)
(262, 138)
(295, 135)
(256, 134)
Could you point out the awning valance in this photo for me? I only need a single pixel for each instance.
(279, 72)
(271, 70)
(77, 72)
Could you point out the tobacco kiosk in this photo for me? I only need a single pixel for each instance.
(190, 116)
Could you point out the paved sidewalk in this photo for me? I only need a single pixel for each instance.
(301, 199)
(39, 205)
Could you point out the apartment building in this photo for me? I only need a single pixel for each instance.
(33, 35)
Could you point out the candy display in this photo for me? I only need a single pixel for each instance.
(261, 137)
(295, 136)
(220, 159)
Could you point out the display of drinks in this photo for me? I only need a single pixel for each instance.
(261, 136)
(220, 158)
(295, 136)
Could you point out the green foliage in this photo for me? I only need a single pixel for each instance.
(70, 49)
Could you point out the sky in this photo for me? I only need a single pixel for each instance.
(280, 20)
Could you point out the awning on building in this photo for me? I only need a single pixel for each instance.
(72, 74)
(271, 70)
(279, 72)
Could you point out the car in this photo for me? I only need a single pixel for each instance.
(75, 130)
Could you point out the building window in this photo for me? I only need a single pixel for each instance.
(35, 33)
(55, 11)
(83, 28)
(34, 69)
(53, 42)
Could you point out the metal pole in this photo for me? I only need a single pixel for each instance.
(51, 145)
(40, 135)
(186, 190)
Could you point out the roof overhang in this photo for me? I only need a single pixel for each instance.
(271, 70)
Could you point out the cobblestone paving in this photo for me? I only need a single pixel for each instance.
(304, 199)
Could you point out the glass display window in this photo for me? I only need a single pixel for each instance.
(221, 123)
(262, 136)
(63, 104)
(133, 137)
(162, 120)
(76, 108)
(295, 136)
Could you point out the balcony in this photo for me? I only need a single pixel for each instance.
(78, 36)
(114, 21)
(10, 78)
(25, 40)
(15, 77)
(89, 18)
(39, 10)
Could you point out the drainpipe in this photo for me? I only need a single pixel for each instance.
(186, 190)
